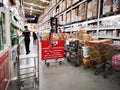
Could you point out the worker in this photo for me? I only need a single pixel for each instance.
(26, 34)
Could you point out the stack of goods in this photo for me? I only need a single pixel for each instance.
(92, 9)
(116, 61)
(45, 36)
(116, 5)
(68, 17)
(82, 36)
(87, 38)
(67, 36)
(79, 34)
(82, 11)
(61, 35)
(107, 6)
(101, 51)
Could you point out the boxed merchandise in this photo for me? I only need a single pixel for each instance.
(74, 15)
(68, 17)
(82, 11)
(74, 1)
(60, 19)
(64, 18)
(101, 51)
(67, 36)
(107, 6)
(45, 36)
(116, 61)
(87, 62)
(61, 35)
(64, 5)
(116, 5)
(92, 8)
(69, 3)
(87, 37)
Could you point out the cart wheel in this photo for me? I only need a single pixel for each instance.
(85, 67)
(48, 64)
(68, 59)
(76, 64)
(105, 76)
(60, 63)
(96, 73)
(45, 62)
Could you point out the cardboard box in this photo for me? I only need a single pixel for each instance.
(82, 11)
(116, 5)
(69, 3)
(74, 1)
(64, 18)
(74, 15)
(107, 6)
(68, 18)
(92, 9)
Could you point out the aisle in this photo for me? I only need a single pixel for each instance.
(68, 77)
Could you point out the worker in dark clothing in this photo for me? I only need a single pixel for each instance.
(26, 34)
(34, 38)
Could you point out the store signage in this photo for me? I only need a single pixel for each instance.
(4, 71)
(52, 49)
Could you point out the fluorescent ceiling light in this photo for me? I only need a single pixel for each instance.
(30, 18)
(30, 13)
(33, 9)
(31, 4)
(44, 1)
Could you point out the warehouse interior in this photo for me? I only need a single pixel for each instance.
(59, 44)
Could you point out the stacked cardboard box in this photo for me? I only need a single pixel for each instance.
(79, 34)
(107, 6)
(45, 36)
(68, 17)
(64, 18)
(69, 3)
(101, 51)
(83, 11)
(74, 15)
(74, 1)
(92, 9)
(116, 5)
(63, 6)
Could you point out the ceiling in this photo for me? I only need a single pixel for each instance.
(34, 8)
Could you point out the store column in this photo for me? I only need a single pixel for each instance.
(8, 40)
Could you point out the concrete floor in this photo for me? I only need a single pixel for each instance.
(69, 77)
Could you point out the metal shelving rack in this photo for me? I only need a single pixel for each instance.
(28, 74)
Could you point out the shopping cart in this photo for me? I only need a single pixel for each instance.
(74, 52)
(101, 54)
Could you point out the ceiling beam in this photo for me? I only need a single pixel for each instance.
(36, 10)
(36, 13)
(32, 4)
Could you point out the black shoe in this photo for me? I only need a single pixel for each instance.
(27, 53)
